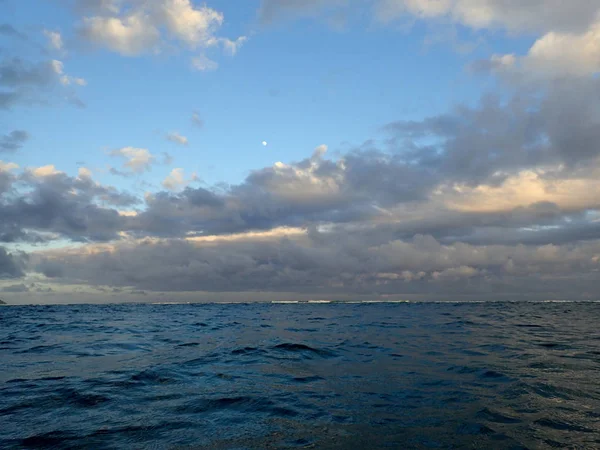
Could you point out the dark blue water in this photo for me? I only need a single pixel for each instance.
(486, 375)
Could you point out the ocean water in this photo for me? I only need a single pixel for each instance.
(243, 376)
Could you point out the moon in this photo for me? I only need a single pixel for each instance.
(264, 143)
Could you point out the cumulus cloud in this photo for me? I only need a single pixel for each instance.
(176, 180)
(137, 160)
(409, 220)
(128, 36)
(48, 204)
(133, 28)
(497, 197)
(177, 138)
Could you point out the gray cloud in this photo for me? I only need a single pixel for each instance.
(13, 141)
(384, 218)
(29, 82)
(11, 266)
(482, 144)
(272, 10)
(67, 207)
(338, 263)
(7, 29)
(15, 288)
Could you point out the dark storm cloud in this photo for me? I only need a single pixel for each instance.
(13, 141)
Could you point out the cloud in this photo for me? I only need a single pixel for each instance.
(137, 160)
(66, 80)
(15, 288)
(274, 10)
(569, 43)
(189, 24)
(10, 265)
(534, 15)
(335, 263)
(575, 54)
(7, 29)
(167, 159)
(129, 36)
(54, 39)
(568, 33)
(133, 28)
(28, 82)
(197, 120)
(176, 180)
(203, 63)
(43, 204)
(98, 6)
(177, 138)
(230, 46)
(13, 141)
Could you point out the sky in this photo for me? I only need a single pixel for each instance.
(178, 150)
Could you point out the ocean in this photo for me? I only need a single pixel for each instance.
(306, 375)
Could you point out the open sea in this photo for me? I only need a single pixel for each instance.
(316, 375)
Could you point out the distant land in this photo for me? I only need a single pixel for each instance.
(2, 303)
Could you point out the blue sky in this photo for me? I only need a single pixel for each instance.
(394, 129)
(296, 85)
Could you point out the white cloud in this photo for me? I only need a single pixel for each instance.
(176, 180)
(137, 159)
(230, 46)
(191, 25)
(203, 63)
(129, 36)
(64, 79)
(566, 53)
(177, 138)
(569, 43)
(55, 39)
(136, 27)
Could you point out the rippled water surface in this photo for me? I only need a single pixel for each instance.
(484, 375)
